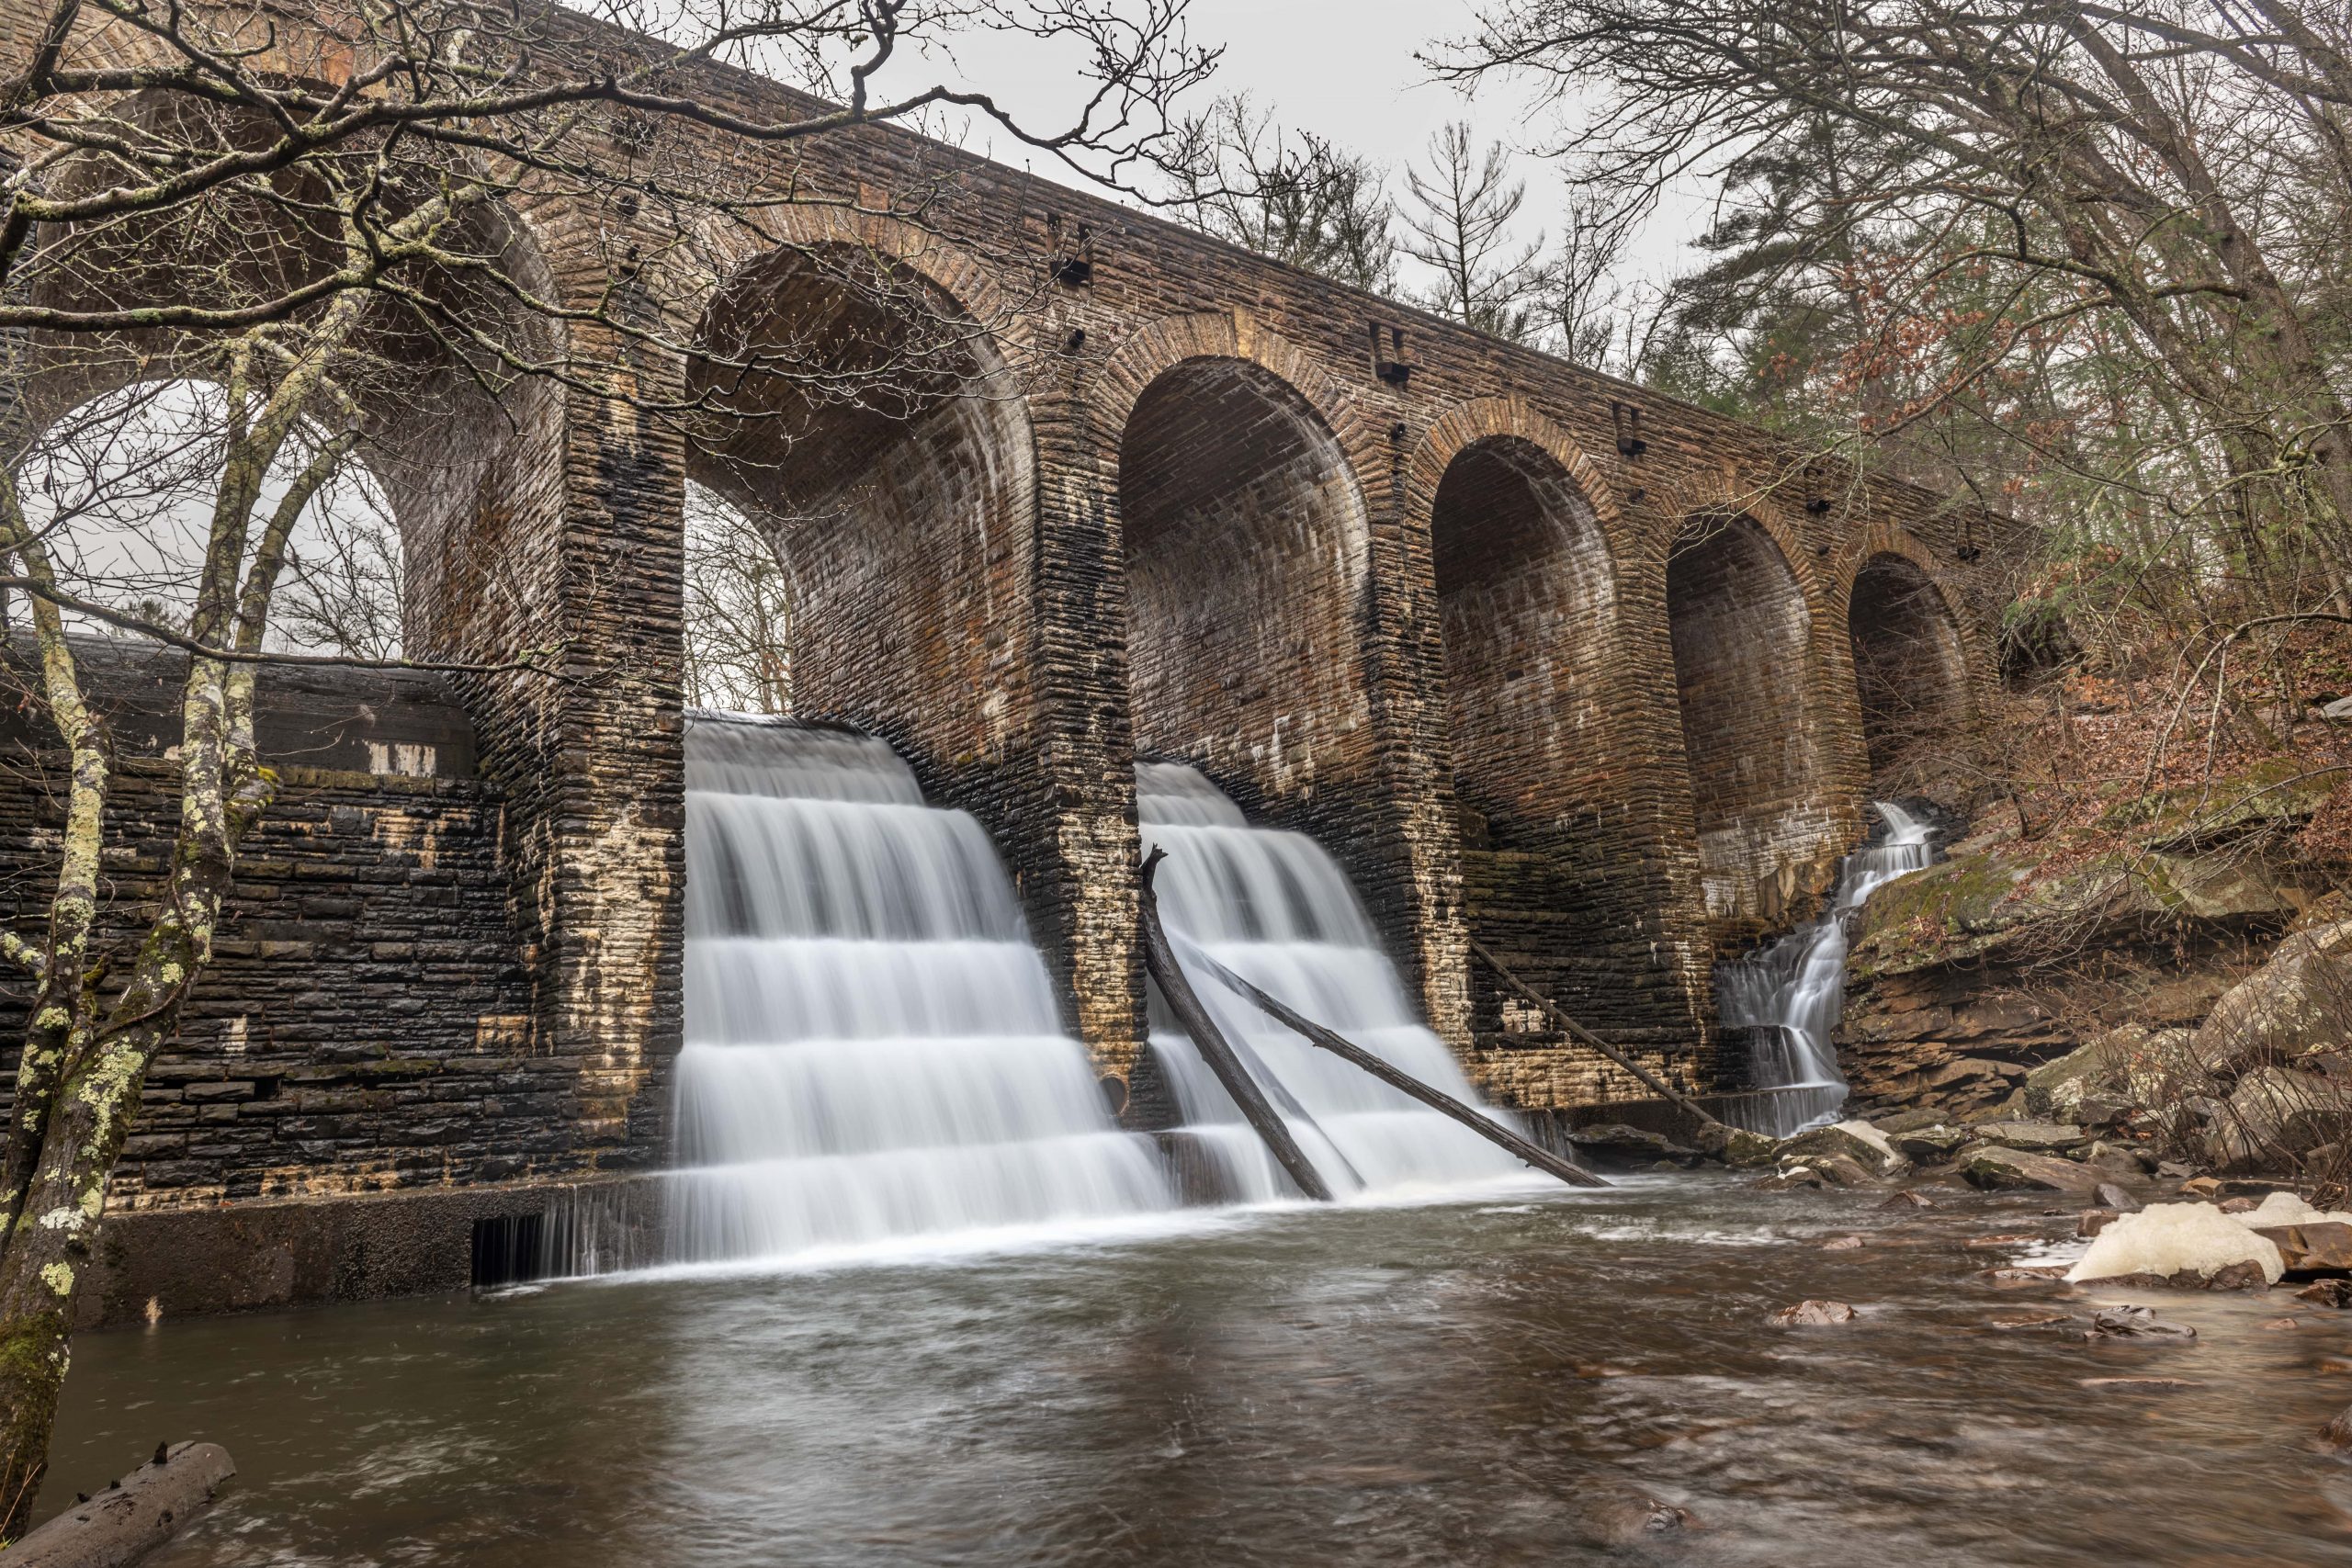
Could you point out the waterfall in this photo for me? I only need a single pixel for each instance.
(1276, 910)
(872, 1050)
(1792, 991)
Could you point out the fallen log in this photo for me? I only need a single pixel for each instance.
(134, 1515)
(1380, 1067)
(1160, 960)
(1551, 1010)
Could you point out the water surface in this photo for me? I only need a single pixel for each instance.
(1503, 1382)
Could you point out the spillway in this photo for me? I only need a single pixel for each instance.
(1791, 992)
(872, 1055)
(1275, 909)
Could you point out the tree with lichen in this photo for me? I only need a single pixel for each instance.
(307, 207)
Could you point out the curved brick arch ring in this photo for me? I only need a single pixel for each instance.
(1476, 420)
(1324, 405)
(959, 277)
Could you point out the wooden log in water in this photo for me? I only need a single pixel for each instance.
(1160, 959)
(1395, 1078)
(1552, 1011)
(132, 1516)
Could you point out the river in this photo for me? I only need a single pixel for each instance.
(1506, 1380)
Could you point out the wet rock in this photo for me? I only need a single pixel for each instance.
(1858, 1142)
(2239, 1205)
(2034, 1137)
(1628, 1519)
(1630, 1145)
(1829, 1170)
(2095, 1221)
(1738, 1147)
(1998, 1243)
(1795, 1177)
(1930, 1144)
(2336, 1294)
(1842, 1244)
(2138, 1385)
(2337, 1434)
(2310, 1248)
(2110, 1196)
(2018, 1275)
(2022, 1322)
(1812, 1314)
(1995, 1167)
(2278, 1324)
(2137, 1323)
(1906, 1198)
(1907, 1122)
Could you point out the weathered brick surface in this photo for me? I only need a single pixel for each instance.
(366, 1021)
(1597, 702)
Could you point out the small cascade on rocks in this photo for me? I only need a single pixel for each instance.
(872, 1050)
(1276, 910)
(1792, 991)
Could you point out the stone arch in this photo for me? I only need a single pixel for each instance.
(1244, 536)
(1911, 673)
(1767, 807)
(861, 413)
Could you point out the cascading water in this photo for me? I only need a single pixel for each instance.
(872, 1053)
(1273, 908)
(1792, 991)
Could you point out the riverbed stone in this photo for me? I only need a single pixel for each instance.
(1813, 1315)
(1930, 1144)
(2310, 1248)
(2337, 1433)
(1632, 1145)
(2336, 1293)
(1857, 1141)
(2110, 1196)
(2036, 1137)
(1996, 1167)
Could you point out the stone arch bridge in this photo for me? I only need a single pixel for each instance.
(1541, 655)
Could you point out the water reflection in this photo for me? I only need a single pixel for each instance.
(1498, 1383)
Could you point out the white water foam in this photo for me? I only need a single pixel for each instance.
(1792, 990)
(1276, 910)
(872, 1062)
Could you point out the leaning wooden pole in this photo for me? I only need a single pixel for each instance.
(1657, 1083)
(1347, 1049)
(1160, 959)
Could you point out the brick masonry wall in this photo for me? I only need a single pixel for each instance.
(365, 1023)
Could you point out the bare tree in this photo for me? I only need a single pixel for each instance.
(739, 613)
(1297, 199)
(1458, 223)
(299, 207)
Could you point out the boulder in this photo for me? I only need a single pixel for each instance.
(1812, 1314)
(1741, 1149)
(1906, 1198)
(1829, 1171)
(2336, 1294)
(2118, 1159)
(2309, 1249)
(2274, 1117)
(2036, 1137)
(2056, 1088)
(2110, 1196)
(1930, 1144)
(1630, 1145)
(1856, 1141)
(2297, 1002)
(1995, 1167)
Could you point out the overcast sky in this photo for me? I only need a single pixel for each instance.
(1342, 69)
